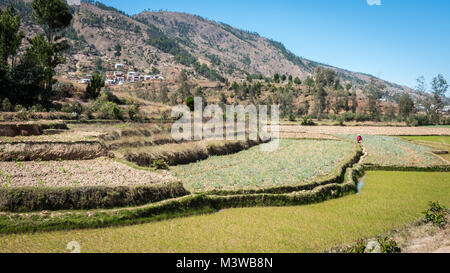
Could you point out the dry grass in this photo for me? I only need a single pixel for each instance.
(423, 238)
(99, 172)
(388, 200)
(26, 151)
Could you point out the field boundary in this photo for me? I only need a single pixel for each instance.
(31, 199)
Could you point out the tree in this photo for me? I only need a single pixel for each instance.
(163, 96)
(276, 78)
(406, 106)
(354, 101)
(54, 15)
(310, 83)
(320, 99)
(290, 78)
(283, 78)
(117, 50)
(374, 92)
(10, 35)
(297, 81)
(439, 87)
(190, 102)
(95, 86)
(49, 56)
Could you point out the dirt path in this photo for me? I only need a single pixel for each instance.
(424, 239)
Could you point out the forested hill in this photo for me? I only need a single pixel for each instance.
(169, 42)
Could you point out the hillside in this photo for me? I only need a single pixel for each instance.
(169, 42)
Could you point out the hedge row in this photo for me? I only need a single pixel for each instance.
(189, 154)
(442, 168)
(85, 198)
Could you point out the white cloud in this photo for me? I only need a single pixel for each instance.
(374, 2)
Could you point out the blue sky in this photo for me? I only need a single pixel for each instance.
(398, 40)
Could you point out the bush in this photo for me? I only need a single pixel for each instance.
(445, 121)
(110, 110)
(388, 245)
(348, 116)
(340, 119)
(160, 164)
(62, 90)
(84, 198)
(292, 117)
(307, 121)
(361, 117)
(6, 105)
(37, 108)
(19, 108)
(418, 120)
(133, 112)
(359, 247)
(436, 214)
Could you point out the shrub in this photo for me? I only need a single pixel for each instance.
(436, 214)
(110, 110)
(388, 245)
(18, 108)
(190, 103)
(359, 247)
(160, 164)
(133, 112)
(360, 117)
(348, 116)
(307, 121)
(84, 198)
(340, 119)
(62, 90)
(6, 105)
(37, 108)
(418, 120)
(292, 117)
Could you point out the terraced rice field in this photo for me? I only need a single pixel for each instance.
(388, 200)
(395, 151)
(295, 162)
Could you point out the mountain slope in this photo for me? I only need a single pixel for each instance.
(170, 42)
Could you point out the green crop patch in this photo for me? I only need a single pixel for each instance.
(437, 139)
(296, 162)
(396, 151)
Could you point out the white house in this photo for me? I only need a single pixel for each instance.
(118, 66)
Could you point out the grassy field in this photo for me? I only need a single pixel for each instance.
(437, 139)
(388, 200)
(296, 161)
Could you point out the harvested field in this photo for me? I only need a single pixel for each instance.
(28, 151)
(99, 172)
(366, 130)
(294, 163)
(395, 151)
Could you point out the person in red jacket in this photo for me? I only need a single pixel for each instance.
(359, 138)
